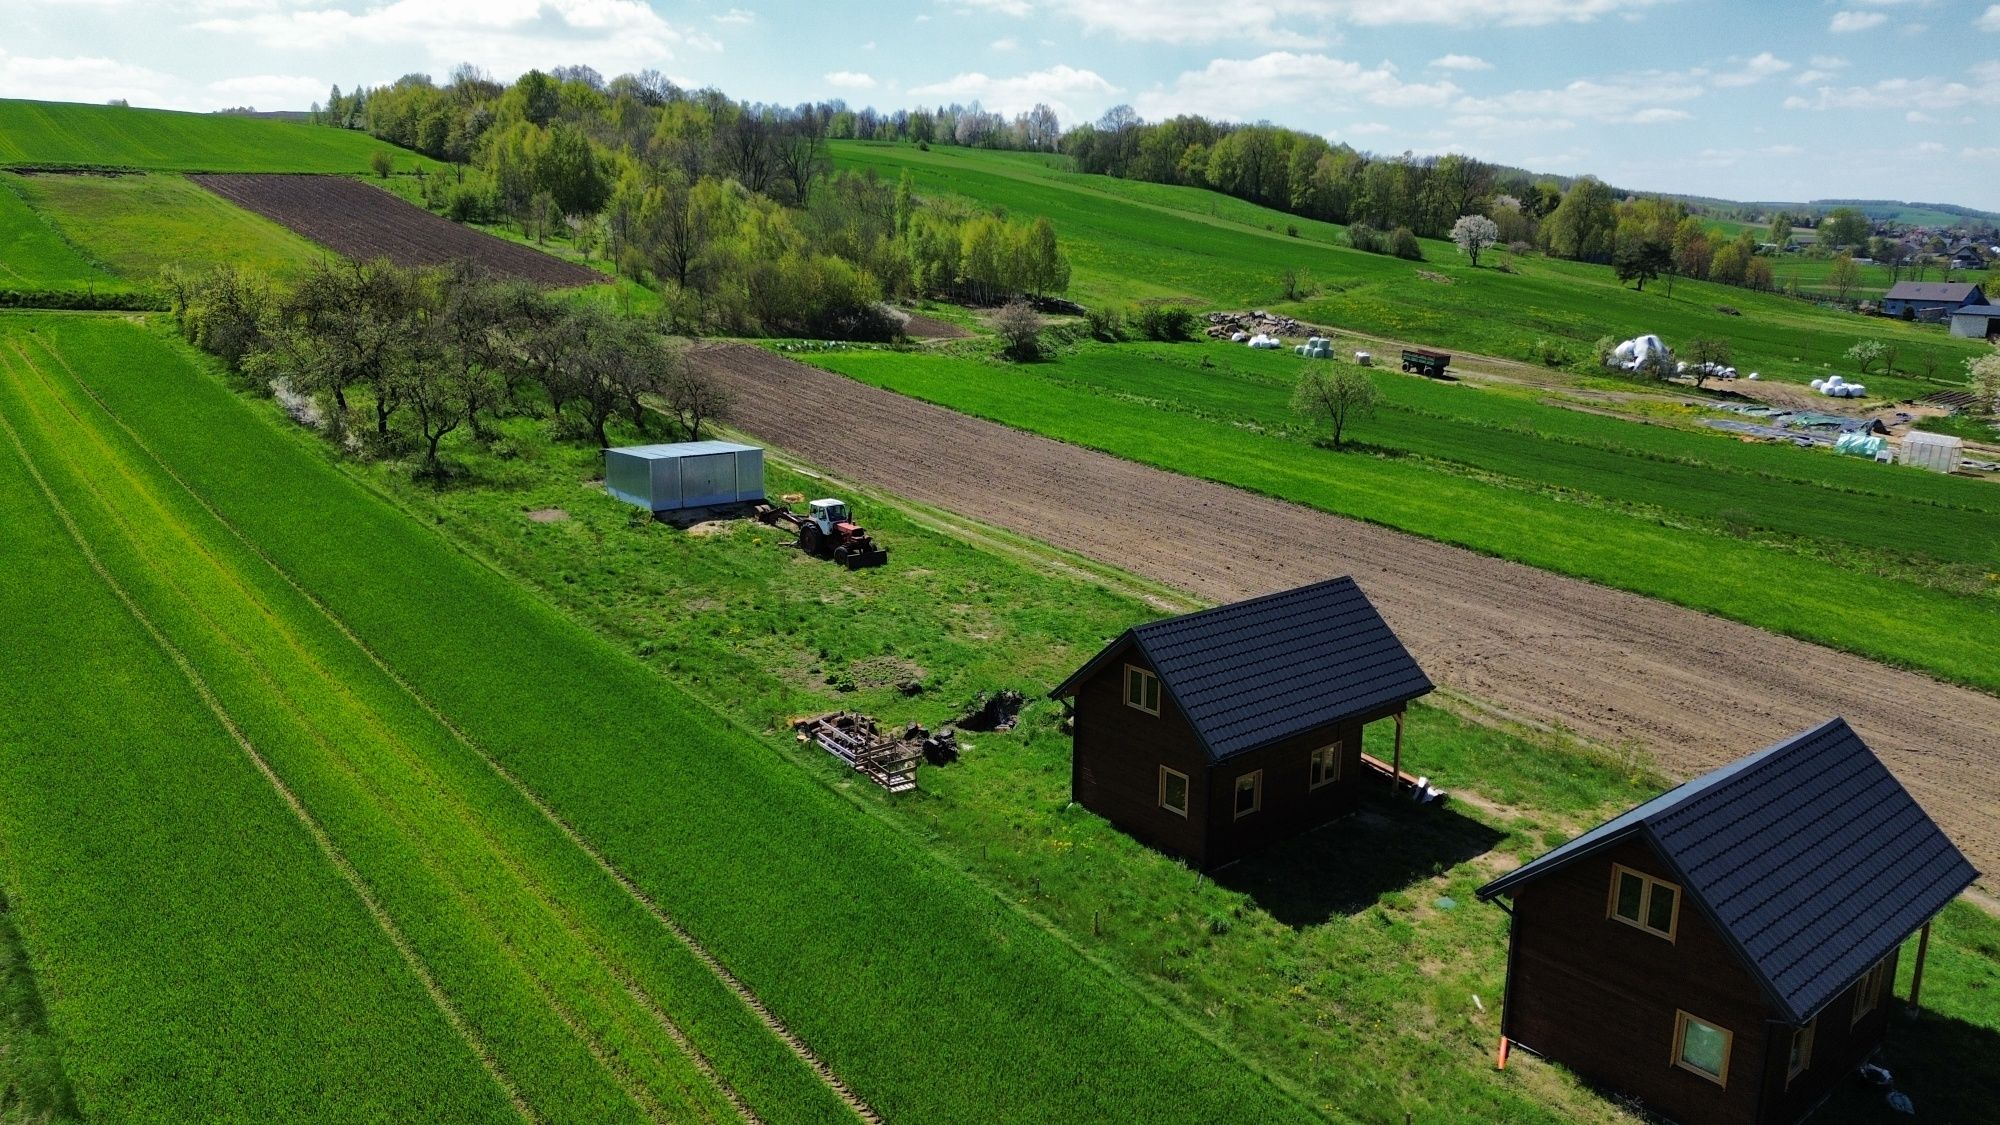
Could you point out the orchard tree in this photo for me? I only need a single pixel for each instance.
(1985, 375)
(1844, 275)
(1474, 233)
(1338, 394)
(1706, 357)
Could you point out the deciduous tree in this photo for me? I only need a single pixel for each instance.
(1337, 394)
(1473, 234)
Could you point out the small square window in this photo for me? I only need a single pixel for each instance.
(1702, 1047)
(1801, 1055)
(1173, 791)
(1325, 766)
(1646, 903)
(1249, 793)
(1142, 689)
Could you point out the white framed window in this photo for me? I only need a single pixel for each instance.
(1637, 899)
(1801, 1055)
(1173, 791)
(1249, 793)
(1868, 996)
(1142, 689)
(1702, 1047)
(1325, 767)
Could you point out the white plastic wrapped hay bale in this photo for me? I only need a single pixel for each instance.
(1364, 359)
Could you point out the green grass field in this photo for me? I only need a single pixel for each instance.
(57, 134)
(34, 256)
(137, 224)
(1129, 240)
(1700, 520)
(873, 953)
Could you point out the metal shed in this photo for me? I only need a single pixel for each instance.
(1937, 452)
(693, 474)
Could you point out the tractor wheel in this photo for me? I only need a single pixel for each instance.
(810, 539)
(840, 555)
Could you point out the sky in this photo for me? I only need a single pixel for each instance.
(1739, 99)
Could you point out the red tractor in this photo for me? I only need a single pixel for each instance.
(826, 531)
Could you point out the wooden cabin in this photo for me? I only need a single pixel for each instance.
(1210, 735)
(1726, 952)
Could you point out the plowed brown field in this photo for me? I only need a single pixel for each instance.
(364, 223)
(1696, 691)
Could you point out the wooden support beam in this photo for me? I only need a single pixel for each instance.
(1917, 977)
(1396, 774)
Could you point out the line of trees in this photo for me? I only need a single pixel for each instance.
(426, 352)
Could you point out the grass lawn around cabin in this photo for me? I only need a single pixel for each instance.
(56, 134)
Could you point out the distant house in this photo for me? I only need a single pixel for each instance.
(1726, 952)
(1210, 735)
(1930, 300)
(1967, 257)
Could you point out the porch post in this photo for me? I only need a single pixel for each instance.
(1396, 773)
(1917, 977)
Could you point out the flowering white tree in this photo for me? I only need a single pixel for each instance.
(1474, 233)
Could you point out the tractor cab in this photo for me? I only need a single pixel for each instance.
(829, 514)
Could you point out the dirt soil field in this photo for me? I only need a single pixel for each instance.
(921, 327)
(1693, 690)
(360, 222)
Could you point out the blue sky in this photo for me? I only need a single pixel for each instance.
(1747, 100)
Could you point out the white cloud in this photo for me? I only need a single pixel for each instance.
(850, 80)
(1461, 62)
(1756, 69)
(1297, 23)
(1989, 20)
(507, 36)
(1249, 88)
(1015, 8)
(1644, 98)
(736, 16)
(84, 78)
(1005, 43)
(1367, 129)
(1901, 93)
(1844, 22)
(1065, 89)
(269, 91)
(1918, 117)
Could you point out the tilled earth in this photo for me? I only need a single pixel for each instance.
(1693, 690)
(361, 222)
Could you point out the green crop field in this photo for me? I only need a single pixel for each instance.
(1690, 518)
(137, 224)
(34, 256)
(457, 744)
(1129, 240)
(56, 134)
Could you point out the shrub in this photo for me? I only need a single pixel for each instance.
(1361, 236)
(381, 163)
(1021, 327)
(1158, 320)
(464, 203)
(1403, 244)
(1292, 230)
(1518, 247)
(1549, 352)
(1729, 310)
(1105, 323)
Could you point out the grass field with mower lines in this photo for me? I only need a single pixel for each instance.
(58, 134)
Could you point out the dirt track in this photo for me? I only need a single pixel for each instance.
(361, 222)
(1696, 691)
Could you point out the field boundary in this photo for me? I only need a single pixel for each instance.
(291, 800)
(742, 992)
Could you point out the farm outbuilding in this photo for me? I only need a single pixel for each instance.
(1930, 300)
(1727, 951)
(1213, 734)
(1939, 453)
(1976, 322)
(694, 474)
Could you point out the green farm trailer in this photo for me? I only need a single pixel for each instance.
(1424, 362)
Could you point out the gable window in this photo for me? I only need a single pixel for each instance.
(1801, 1056)
(1249, 793)
(1650, 904)
(1142, 689)
(1702, 1047)
(1173, 791)
(1868, 995)
(1325, 766)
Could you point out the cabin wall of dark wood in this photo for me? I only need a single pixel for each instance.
(1600, 996)
(1290, 805)
(1840, 1042)
(1118, 752)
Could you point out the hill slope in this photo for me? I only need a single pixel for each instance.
(68, 134)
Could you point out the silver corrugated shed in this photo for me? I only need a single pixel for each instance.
(690, 474)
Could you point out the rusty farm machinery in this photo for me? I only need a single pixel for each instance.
(827, 530)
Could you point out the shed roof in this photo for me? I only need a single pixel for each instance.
(1954, 292)
(1810, 859)
(681, 449)
(1925, 437)
(1986, 312)
(1249, 674)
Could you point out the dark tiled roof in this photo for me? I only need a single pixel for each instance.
(1955, 292)
(1809, 857)
(1249, 674)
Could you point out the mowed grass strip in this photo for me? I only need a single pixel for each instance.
(930, 997)
(138, 224)
(469, 868)
(199, 957)
(1884, 618)
(1129, 240)
(38, 133)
